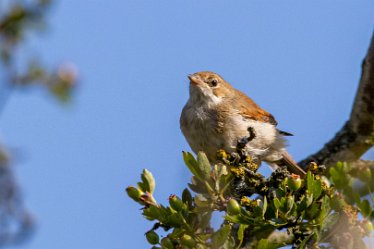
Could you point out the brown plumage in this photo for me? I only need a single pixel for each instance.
(216, 116)
(249, 109)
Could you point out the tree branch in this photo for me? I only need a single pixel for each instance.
(357, 135)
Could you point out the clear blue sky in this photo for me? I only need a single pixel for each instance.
(300, 61)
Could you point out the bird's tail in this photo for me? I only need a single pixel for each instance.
(291, 165)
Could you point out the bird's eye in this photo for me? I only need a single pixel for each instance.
(214, 82)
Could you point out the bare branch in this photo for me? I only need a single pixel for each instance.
(357, 135)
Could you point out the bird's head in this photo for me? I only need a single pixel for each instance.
(209, 87)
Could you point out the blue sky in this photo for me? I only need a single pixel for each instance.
(299, 60)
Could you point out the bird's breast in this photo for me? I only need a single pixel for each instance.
(202, 129)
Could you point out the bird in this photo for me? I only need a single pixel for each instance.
(216, 116)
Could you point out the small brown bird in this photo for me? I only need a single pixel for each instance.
(216, 116)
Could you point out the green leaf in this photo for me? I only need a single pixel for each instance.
(204, 165)
(241, 231)
(302, 204)
(365, 208)
(220, 236)
(197, 185)
(166, 243)
(152, 212)
(334, 173)
(201, 201)
(191, 163)
(309, 199)
(134, 193)
(264, 244)
(152, 237)
(148, 181)
(329, 221)
(283, 207)
(143, 187)
(290, 203)
(229, 243)
(187, 198)
(324, 209)
(174, 220)
(164, 213)
(176, 203)
(276, 203)
(264, 207)
(310, 181)
(317, 190)
(239, 219)
(313, 210)
(314, 186)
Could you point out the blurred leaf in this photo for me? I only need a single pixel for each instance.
(202, 202)
(290, 203)
(302, 204)
(264, 244)
(309, 199)
(283, 204)
(204, 219)
(61, 91)
(233, 207)
(317, 189)
(241, 231)
(313, 210)
(365, 208)
(310, 183)
(220, 236)
(329, 221)
(264, 206)
(277, 203)
(324, 209)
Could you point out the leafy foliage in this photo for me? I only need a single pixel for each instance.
(258, 212)
(16, 22)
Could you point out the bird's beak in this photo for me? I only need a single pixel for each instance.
(194, 79)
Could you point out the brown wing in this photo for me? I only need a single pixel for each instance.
(249, 109)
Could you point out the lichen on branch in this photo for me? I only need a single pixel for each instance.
(258, 212)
